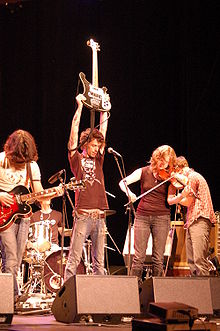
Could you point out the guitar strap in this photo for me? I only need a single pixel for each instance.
(29, 175)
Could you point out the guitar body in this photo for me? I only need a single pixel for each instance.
(96, 97)
(21, 195)
(18, 209)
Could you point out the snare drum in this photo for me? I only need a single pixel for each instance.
(52, 269)
(40, 236)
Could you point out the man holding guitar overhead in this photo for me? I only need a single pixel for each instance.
(18, 169)
(92, 201)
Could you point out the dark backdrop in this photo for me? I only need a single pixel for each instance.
(159, 61)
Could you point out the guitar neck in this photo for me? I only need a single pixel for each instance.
(30, 196)
(95, 48)
(95, 68)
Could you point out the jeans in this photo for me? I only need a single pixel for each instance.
(83, 227)
(197, 245)
(158, 226)
(14, 240)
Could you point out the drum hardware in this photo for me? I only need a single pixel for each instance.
(35, 283)
(52, 268)
(108, 234)
(67, 232)
(109, 212)
(107, 247)
(45, 270)
(40, 236)
(87, 257)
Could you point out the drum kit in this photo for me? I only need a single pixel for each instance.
(43, 261)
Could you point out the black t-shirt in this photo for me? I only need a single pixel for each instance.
(91, 171)
(50, 217)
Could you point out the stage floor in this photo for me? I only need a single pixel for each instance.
(48, 322)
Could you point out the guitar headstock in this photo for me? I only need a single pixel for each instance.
(75, 184)
(94, 45)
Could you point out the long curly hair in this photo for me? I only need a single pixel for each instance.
(20, 148)
(164, 152)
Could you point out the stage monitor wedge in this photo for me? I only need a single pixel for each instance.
(6, 298)
(192, 291)
(105, 298)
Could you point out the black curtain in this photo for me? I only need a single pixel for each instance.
(159, 61)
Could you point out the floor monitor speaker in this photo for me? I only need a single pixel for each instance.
(6, 298)
(192, 291)
(105, 298)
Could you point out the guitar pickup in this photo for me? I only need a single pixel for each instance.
(18, 199)
(95, 92)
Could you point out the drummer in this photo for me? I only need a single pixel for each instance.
(51, 219)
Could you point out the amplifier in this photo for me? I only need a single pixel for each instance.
(173, 311)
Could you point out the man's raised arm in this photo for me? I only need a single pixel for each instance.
(73, 139)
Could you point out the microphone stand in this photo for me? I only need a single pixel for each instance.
(66, 194)
(129, 209)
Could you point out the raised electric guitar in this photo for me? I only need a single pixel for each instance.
(96, 98)
(20, 207)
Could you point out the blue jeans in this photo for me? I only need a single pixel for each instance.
(14, 241)
(83, 227)
(197, 245)
(158, 226)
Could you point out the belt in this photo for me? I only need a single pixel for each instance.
(93, 214)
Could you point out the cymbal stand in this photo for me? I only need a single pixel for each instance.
(87, 257)
(129, 209)
(108, 234)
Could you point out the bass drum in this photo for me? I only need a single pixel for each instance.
(52, 272)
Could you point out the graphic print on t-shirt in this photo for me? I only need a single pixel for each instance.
(13, 177)
(88, 168)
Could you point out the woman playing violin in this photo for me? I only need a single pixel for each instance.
(200, 216)
(153, 214)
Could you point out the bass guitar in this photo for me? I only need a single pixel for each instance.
(22, 199)
(96, 98)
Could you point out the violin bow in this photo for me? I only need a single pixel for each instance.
(150, 190)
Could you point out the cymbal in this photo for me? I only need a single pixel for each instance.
(109, 212)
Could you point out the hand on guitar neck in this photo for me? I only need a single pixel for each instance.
(14, 203)
(96, 98)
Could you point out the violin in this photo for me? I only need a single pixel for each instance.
(179, 181)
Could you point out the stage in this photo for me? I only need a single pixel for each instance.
(113, 302)
(48, 322)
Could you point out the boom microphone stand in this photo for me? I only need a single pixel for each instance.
(129, 205)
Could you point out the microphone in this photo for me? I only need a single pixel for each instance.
(54, 178)
(112, 151)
